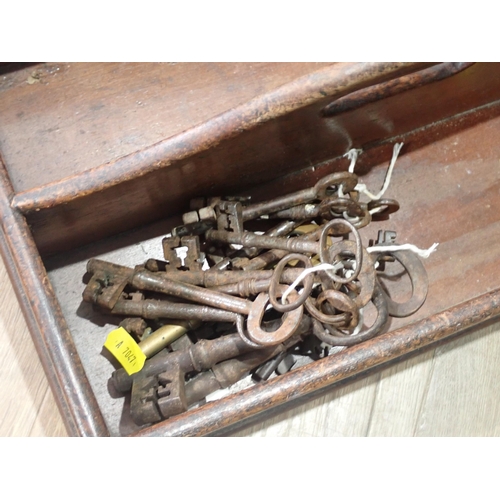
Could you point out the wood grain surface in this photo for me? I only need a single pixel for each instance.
(81, 115)
(27, 406)
(451, 390)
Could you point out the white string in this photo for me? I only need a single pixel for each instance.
(406, 246)
(352, 155)
(361, 319)
(387, 248)
(362, 187)
(376, 210)
(304, 273)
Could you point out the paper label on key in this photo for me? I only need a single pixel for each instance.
(126, 350)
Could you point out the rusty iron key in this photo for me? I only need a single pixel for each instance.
(167, 394)
(299, 245)
(159, 390)
(200, 356)
(319, 191)
(147, 280)
(155, 282)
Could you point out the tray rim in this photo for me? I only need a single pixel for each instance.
(49, 331)
(330, 82)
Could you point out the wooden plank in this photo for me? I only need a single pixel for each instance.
(268, 136)
(462, 396)
(448, 391)
(399, 397)
(45, 320)
(48, 420)
(27, 406)
(75, 116)
(344, 412)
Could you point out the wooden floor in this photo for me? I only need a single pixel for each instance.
(449, 391)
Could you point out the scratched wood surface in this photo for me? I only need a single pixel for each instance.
(91, 114)
(449, 391)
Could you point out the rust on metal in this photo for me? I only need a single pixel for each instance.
(419, 282)
(290, 324)
(158, 309)
(276, 280)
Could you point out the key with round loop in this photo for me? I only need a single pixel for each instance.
(328, 208)
(162, 284)
(299, 244)
(195, 221)
(319, 191)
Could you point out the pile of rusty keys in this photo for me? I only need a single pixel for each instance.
(235, 279)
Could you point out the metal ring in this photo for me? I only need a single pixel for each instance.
(335, 207)
(419, 282)
(388, 206)
(341, 302)
(275, 281)
(290, 324)
(337, 319)
(363, 220)
(240, 327)
(348, 181)
(334, 337)
(325, 256)
(366, 276)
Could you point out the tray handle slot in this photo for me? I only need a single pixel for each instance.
(381, 91)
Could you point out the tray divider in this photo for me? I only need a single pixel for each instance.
(327, 83)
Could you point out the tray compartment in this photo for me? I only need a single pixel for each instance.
(448, 190)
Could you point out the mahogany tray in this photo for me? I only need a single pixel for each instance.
(100, 160)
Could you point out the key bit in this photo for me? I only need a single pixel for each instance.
(166, 394)
(229, 216)
(194, 228)
(266, 370)
(193, 260)
(286, 364)
(137, 327)
(156, 398)
(104, 289)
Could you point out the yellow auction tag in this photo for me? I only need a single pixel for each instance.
(125, 349)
